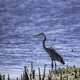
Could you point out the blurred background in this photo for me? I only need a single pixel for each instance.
(21, 19)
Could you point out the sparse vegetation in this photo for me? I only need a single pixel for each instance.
(67, 73)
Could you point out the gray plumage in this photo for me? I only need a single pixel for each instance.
(51, 51)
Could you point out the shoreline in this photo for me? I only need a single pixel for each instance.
(65, 73)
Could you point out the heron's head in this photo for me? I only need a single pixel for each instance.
(39, 35)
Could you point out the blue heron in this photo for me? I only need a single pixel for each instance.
(52, 52)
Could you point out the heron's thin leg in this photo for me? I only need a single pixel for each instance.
(55, 66)
(52, 65)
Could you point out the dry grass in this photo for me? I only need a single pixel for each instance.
(67, 73)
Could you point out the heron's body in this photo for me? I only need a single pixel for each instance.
(54, 55)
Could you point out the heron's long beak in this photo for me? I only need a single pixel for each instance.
(37, 35)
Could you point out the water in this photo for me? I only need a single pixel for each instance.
(20, 19)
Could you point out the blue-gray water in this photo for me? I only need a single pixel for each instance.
(20, 19)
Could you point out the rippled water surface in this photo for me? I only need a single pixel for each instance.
(21, 19)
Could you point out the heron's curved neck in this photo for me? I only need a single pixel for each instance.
(44, 46)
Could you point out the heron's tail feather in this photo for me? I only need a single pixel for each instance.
(62, 61)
